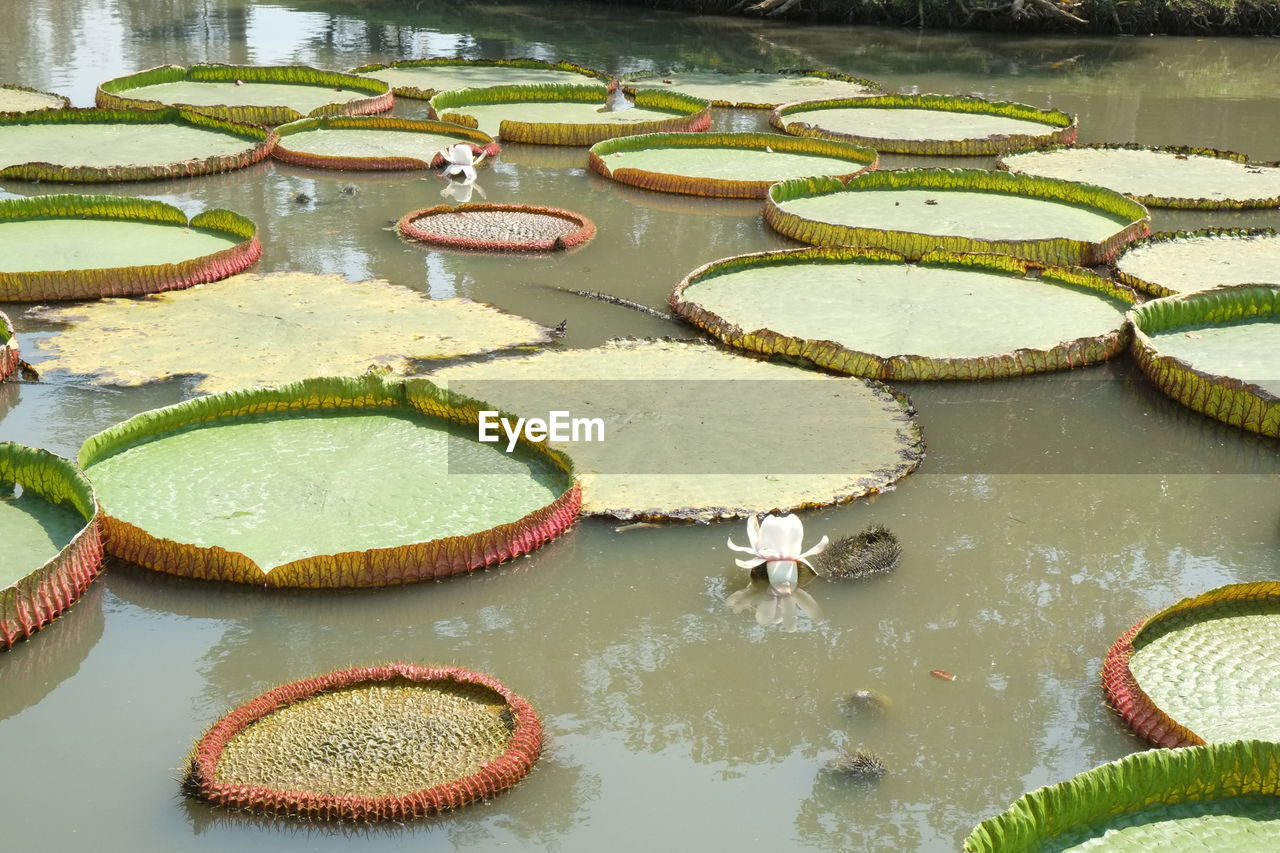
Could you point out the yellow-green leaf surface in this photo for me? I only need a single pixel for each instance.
(20, 99)
(691, 431)
(1170, 263)
(254, 330)
(422, 79)
(753, 88)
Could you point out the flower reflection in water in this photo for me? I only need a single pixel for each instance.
(774, 605)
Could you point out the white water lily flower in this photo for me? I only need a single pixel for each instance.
(462, 160)
(776, 542)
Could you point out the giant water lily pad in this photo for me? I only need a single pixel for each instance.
(20, 99)
(52, 549)
(868, 313)
(124, 145)
(1223, 798)
(1216, 351)
(916, 211)
(497, 227)
(264, 95)
(268, 330)
(754, 89)
(1184, 262)
(9, 357)
(374, 142)
(424, 78)
(567, 115)
(730, 165)
(1205, 670)
(691, 431)
(324, 483)
(84, 247)
(383, 742)
(927, 124)
(1160, 177)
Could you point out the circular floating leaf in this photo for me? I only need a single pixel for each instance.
(754, 89)
(1205, 670)
(1216, 351)
(52, 549)
(497, 227)
(916, 211)
(323, 483)
(567, 115)
(9, 357)
(125, 145)
(250, 94)
(373, 142)
(728, 165)
(20, 99)
(1220, 798)
(868, 313)
(693, 432)
(927, 124)
(1160, 177)
(1175, 262)
(255, 331)
(424, 78)
(377, 743)
(114, 246)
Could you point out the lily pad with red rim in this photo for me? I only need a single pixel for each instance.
(374, 143)
(9, 356)
(759, 90)
(497, 227)
(425, 78)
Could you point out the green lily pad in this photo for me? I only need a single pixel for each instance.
(9, 356)
(754, 89)
(1185, 262)
(52, 549)
(694, 432)
(727, 165)
(927, 124)
(868, 313)
(373, 142)
(255, 331)
(114, 246)
(424, 78)
(262, 95)
(20, 99)
(917, 211)
(324, 482)
(1160, 177)
(124, 145)
(1216, 351)
(1223, 798)
(567, 115)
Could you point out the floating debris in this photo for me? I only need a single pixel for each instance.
(943, 674)
(860, 701)
(874, 551)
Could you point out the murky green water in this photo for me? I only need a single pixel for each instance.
(1051, 513)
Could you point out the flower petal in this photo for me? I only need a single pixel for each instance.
(816, 549)
(750, 564)
(753, 531)
(782, 572)
(740, 548)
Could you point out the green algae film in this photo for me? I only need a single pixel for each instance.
(102, 145)
(910, 124)
(279, 489)
(1248, 351)
(896, 309)
(489, 117)
(1232, 825)
(733, 164)
(32, 532)
(80, 244)
(300, 97)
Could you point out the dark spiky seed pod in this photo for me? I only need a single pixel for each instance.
(858, 763)
(874, 551)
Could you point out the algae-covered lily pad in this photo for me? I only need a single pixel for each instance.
(916, 211)
(255, 330)
(1223, 798)
(20, 99)
(868, 313)
(385, 742)
(754, 89)
(1175, 262)
(51, 548)
(424, 78)
(1216, 351)
(9, 356)
(84, 247)
(324, 483)
(928, 124)
(1205, 670)
(728, 165)
(263, 95)
(694, 432)
(568, 115)
(1160, 177)
(125, 145)
(374, 142)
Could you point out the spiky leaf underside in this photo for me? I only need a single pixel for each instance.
(374, 143)
(1174, 262)
(754, 89)
(497, 227)
(426, 78)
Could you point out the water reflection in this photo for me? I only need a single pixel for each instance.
(773, 605)
(32, 669)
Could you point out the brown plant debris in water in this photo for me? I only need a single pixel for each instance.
(371, 741)
(859, 763)
(874, 551)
